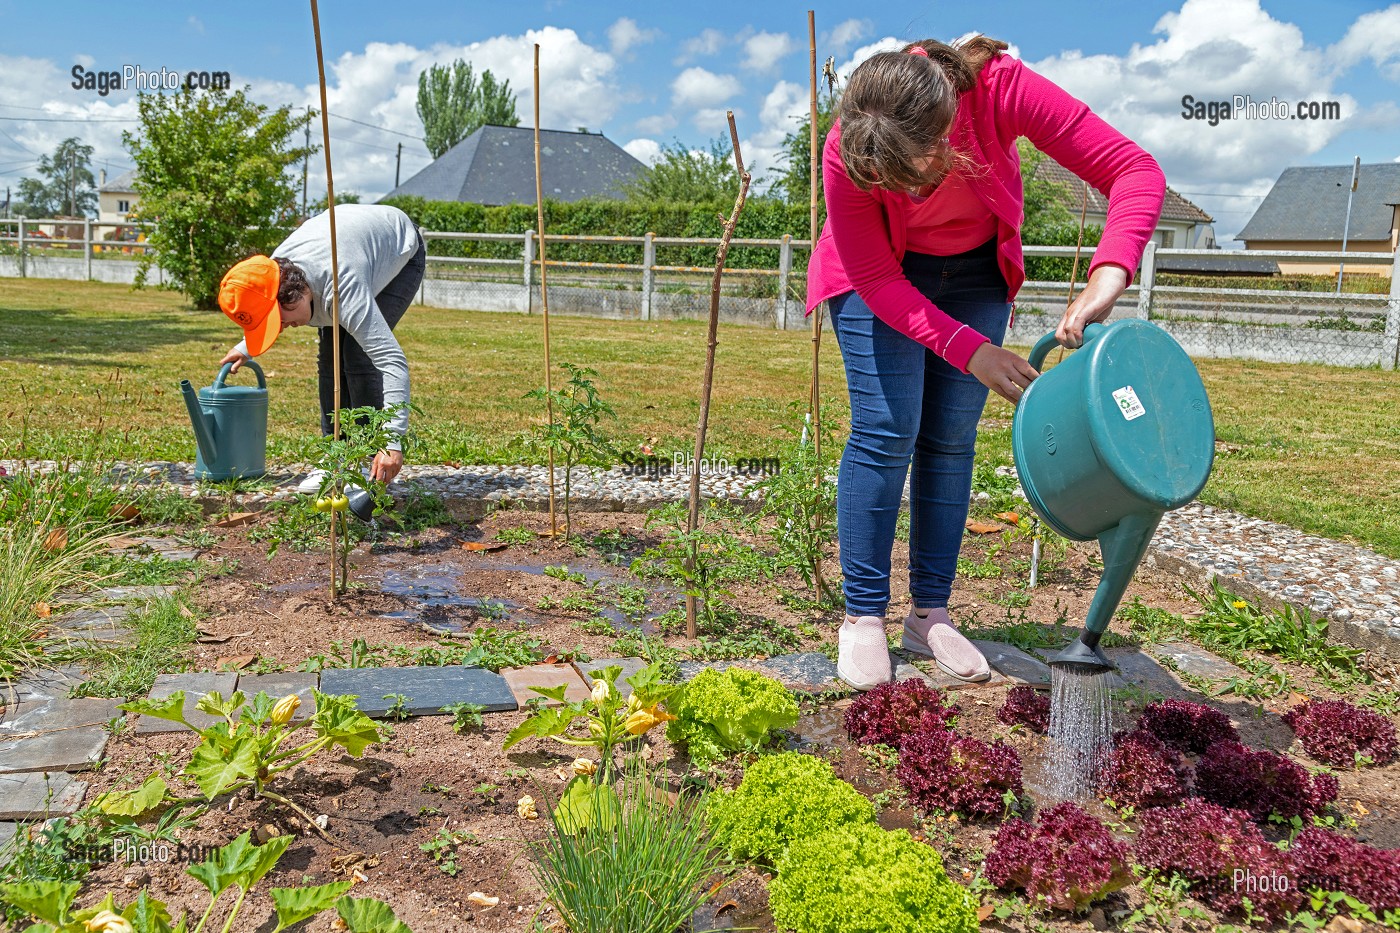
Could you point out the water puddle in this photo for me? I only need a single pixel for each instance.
(436, 603)
(722, 913)
(1081, 731)
(823, 727)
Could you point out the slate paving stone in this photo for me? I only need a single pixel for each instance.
(121, 594)
(1198, 661)
(629, 667)
(279, 685)
(1014, 664)
(42, 684)
(7, 832)
(195, 686)
(73, 749)
(104, 617)
(428, 689)
(521, 679)
(688, 669)
(38, 795)
(1143, 670)
(806, 672)
(56, 713)
(935, 676)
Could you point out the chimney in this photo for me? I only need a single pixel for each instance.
(104, 178)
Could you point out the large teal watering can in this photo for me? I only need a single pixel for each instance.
(230, 426)
(1106, 443)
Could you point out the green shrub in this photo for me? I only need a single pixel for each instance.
(783, 798)
(721, 712)
(863, 879)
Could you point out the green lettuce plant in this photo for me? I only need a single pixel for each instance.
(782, 798)
(859, 878)
(721, 712)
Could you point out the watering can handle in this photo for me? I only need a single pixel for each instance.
(1045, 344)
(262, 380)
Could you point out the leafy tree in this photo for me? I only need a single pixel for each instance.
(212, 176)
(453, 104)
(319, 205)
(794, 181)
(688, 176)
(66, 188)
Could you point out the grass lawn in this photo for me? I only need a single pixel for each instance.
(1312, 446)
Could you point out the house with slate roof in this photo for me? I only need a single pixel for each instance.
(117, 198)
(1183, 225)
(496, 165)
(1307, 209)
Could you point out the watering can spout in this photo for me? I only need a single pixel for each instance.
(208, 450)
(1123, 547)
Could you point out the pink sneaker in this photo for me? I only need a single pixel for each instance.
(863, 656)
(933, 636)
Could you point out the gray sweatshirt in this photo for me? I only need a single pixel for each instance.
(373, 243)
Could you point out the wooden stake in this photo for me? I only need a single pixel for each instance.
(816, 399)
(709, 379)
(1074, 269)
(544, 292)
(815, 402)
(335, 272)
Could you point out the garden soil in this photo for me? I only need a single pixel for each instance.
(384, 808)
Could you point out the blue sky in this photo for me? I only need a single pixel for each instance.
(650, 74)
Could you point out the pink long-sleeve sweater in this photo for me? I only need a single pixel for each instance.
(865, 236)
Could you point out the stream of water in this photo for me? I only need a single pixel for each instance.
(1081, 730)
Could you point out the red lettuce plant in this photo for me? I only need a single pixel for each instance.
(1067, 862)
(1222, 855)
(945, 771)
(1340, 734)
(1190, 727)
(890, 713)
(1026, 706)
(1334, 862)
(1143, 771)
(1261, 782)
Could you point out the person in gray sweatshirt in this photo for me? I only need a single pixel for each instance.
(382, 258)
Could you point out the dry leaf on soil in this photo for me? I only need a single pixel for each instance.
(56, 540)
(483, 545)
(984, 528)
(235, 519)
(42, 610)
(235, 663)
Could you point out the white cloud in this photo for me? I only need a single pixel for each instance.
(784, 109)
(709, 42)
(646, 151)
(1212, 50)
(763, 50)
(887, 44)
(625, 34)
(655, 125)
(843, 34)
(713, 121)
(195, 23)
(1375, 36)
(697, 87)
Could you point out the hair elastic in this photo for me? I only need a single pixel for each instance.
(919, 50)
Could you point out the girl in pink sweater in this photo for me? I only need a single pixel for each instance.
(919, 262)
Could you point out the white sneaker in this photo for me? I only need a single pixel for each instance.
(312, 484)
(863, 657)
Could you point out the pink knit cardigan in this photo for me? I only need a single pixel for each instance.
(863, 242)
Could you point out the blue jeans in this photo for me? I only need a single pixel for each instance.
(909, 405)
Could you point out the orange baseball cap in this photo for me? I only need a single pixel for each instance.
(248, 295)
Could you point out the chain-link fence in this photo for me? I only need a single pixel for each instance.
(1260, 307)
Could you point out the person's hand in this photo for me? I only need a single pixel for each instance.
(387, 464)
(234, 357)
(1093, 305)
(1002, 371)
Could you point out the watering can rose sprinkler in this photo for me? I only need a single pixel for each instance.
(1105, 444)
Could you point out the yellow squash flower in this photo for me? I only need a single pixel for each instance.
(282, 712)
(105, 921)
(644, 719)
(584, 766)
(525, 808)
(600, 691)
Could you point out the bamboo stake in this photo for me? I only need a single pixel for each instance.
(816, 399)
(544, 292)
(815, 403)
(709, 379)
(1074, 269)
(335, 272)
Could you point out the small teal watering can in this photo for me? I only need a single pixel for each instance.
(230, 426)
(1106, 443)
